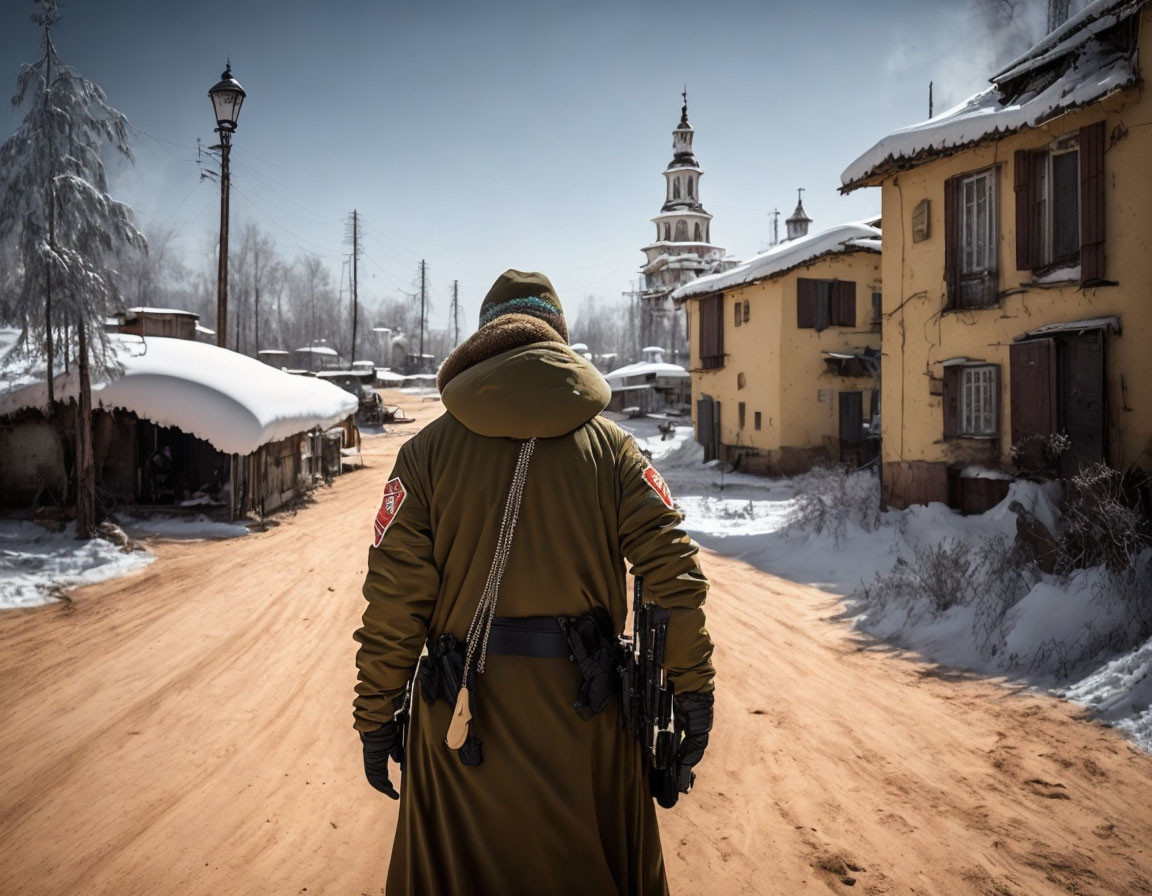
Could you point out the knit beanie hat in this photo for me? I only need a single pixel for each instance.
(521, 292)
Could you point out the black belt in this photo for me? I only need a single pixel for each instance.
(535, 636)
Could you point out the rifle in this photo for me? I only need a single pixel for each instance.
(403, 719)
(646, 694)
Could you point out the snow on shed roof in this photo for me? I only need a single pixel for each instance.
(1071, 67)
(786, 256)
(144, 309)
(230, 400)
(643, 367)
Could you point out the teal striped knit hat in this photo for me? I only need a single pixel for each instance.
(524, 292)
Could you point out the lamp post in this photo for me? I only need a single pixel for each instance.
(227, 97)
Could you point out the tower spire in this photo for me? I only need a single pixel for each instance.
(798, 224)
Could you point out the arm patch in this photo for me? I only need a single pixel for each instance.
(659, 486)
(394, 495)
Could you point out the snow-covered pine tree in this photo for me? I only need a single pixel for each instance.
(64, 230)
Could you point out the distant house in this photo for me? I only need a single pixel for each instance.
(1017, 270)
(784, 356)
(160, 322)
(180, 420)
(650, 385)
(316, 357)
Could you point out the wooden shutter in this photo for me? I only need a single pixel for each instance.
(951, 401)
(709, 324)
(952, 237)
(1032, 387)
(1025, 208)
(805, 303)
(718, 312)
(1092, 202)
(844, 303)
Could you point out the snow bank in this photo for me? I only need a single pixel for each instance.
(234, 402)
(1050, 631)
(35, 564)
(182, 528)
(784, 257)
(1096, 69)
(1120, 693)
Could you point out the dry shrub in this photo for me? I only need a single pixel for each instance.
(830, 499)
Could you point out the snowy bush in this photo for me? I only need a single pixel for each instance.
(831, 499)
(1099, 526)
(984, 576)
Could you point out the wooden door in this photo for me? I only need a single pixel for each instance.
(1081, 399)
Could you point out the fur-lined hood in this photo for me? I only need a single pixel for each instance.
(514, 378)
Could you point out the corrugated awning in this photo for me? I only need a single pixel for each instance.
(1075, 326)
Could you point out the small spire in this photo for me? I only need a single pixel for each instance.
(684, 108)
(798, 224)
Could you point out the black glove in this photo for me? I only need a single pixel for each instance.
(379, 746)
(693, 722)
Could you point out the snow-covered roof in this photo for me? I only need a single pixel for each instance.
(645, 367)
(318, 350)
(1073, 66)
(786, 256)
(146, 310)
(235, 402)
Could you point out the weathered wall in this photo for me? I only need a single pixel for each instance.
(919, 334)
(32, 465)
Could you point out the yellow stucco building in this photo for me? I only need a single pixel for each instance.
(783, 352)
(1018, 270)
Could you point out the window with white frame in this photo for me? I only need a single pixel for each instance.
(972, 224)
(977, 216)
(978, 394)
(1050, 233)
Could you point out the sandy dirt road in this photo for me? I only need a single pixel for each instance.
(188, 731)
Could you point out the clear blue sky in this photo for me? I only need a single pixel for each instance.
(482, 136)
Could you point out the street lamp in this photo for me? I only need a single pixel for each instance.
(227, 97)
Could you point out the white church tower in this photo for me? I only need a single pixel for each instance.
(683, 248)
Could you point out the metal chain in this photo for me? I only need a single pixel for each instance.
(481, 625)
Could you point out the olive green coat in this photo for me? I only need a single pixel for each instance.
(559, 805)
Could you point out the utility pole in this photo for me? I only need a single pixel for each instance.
(423, 303)
(775, 213)
(929, 99)
(354, 226)
(456, 312)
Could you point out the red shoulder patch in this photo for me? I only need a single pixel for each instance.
(659, 486)
(394, 495)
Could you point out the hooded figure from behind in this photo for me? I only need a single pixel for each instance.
(519, 506)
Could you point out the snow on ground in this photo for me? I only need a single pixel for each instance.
(1050, 632)
(35, 564)
(183, 528)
